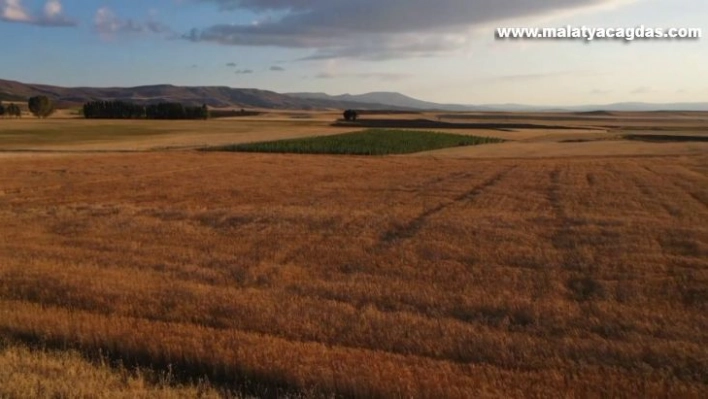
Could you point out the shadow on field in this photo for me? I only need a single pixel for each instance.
(172, 372)
(430, 124)
(665, 138)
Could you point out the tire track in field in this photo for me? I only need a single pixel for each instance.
(412, 227)
(647, 192)
(581, 282)
(426, 185)
(680, 187)
(568, 236)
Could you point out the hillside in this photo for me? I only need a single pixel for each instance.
(214, 96)
(222, 96)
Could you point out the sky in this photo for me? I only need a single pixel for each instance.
(436, 50)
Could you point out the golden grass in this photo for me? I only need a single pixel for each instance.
(27, 373)
(385, 277)
(140, 135)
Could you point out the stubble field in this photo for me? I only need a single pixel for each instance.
(399, 276)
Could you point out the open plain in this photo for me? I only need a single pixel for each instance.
(569, 261)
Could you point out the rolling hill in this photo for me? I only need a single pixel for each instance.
(214, 96)
(222, 96)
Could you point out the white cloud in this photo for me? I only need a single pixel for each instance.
(108, 24)
(642, 90)
(13, 11)
(52, 9)
(105, 21)
(384, 76)
(52, 14)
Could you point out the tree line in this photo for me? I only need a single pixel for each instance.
(127, 110)
(43, 106)
(39, 106)
(10, 110)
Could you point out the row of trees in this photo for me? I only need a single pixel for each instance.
(10, 110)
(126, 110)
(39, 106)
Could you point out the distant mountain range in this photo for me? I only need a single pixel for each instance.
(222, 96)
(403, 101)
(390, 99)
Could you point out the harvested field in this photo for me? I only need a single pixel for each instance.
(569, 148)
(526, 134)
(367, 277)
(33, 373)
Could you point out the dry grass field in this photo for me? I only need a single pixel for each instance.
(541, 275)
(585, 134)
(27, 373)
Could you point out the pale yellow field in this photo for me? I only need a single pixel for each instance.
(599, 135)
(28, 373)
(546, 149)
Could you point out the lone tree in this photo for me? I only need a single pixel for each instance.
(41, 106)
(2, 110)
(350, 115)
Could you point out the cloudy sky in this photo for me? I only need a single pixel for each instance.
(437, 50)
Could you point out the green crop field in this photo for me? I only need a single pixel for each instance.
(368, 142)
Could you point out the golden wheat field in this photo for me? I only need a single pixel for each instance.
(367, 277)
(539, 267)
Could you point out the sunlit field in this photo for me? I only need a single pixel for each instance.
(453, 273)
(313, 199)
(31, 373)
(545, 134)
(365, 276)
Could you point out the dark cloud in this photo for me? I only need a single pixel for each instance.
(371, 29)
(244, 71)
(231, 64)
(276, 68)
